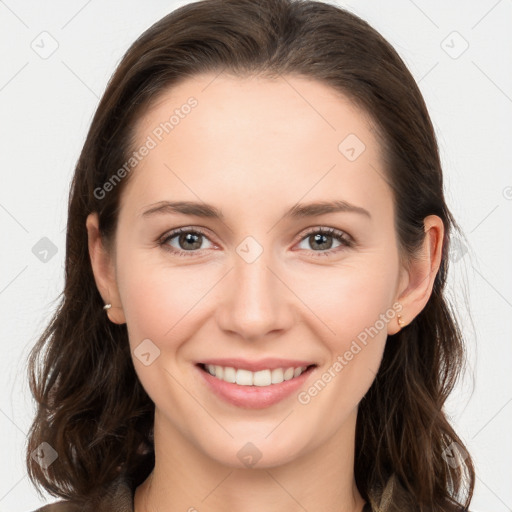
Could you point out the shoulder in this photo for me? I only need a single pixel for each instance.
(118, 498)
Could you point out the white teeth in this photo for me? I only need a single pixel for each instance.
(288, 374)
(229, 375)
(277, 376)
(248, 378)
(262, 378)
(244, 377)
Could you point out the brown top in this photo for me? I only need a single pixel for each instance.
(119, 498)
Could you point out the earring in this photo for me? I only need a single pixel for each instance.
(401, 323)
(107, 306)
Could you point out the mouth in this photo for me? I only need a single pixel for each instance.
(254, 390)
(260, 378)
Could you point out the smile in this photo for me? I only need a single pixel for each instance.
(254, 390)
(260, 378)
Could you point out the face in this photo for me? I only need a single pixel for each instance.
(268, 279)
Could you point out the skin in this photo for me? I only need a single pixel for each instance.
(254, 147)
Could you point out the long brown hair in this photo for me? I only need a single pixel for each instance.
(92, 409)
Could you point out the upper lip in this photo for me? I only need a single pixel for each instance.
(254, 366)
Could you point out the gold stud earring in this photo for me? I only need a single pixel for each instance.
(401, 322)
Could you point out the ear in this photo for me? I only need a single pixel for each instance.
(416, 288)
(104, 270)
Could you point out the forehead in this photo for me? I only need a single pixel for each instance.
(259, 139)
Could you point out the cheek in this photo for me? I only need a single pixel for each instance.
(352, 307)
(349, 298)
(161, 305)
(354, 311)
(159, 301)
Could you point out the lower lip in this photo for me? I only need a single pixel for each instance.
(254, 397)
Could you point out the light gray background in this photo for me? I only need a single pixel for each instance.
(47, 105)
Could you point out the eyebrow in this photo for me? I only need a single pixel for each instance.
(323, 207)
(295, 212)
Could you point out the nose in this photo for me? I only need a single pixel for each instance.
(255, 301)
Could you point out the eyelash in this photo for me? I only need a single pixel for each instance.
(345, 240)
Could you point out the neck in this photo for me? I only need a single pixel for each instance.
(186, 479)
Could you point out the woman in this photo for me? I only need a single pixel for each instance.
(298, 355)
